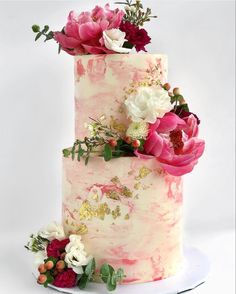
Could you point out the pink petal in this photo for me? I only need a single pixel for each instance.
(154, 144)
(89, 31)
(177, 170)
(142, 156)
(169, 122)
(66, 42)
(97, 50)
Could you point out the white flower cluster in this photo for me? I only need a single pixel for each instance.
(147, 104)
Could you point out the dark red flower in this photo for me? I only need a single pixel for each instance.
(185, 114)
(56, 247)
(135, 36)
(66, 279)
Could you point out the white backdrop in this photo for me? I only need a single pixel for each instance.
(37, 114)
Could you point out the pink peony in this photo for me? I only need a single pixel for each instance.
(174, 143)
(83, 33)
(66, 279)
(56, 247)
(135, 36)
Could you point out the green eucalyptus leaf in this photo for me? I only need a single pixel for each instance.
(120, 275)
(66, 152)
(83, 282)
(90, 268)
(107, 153)
(38, 36)
(105, 272)
(35, 28)
(110, 285)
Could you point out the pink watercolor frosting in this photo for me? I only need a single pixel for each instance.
(100, 83)
(132, 212)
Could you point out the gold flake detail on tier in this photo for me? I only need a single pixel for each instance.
(116, 213)
(112, 195)
(117, 126)
(143, 173)
(102, 211)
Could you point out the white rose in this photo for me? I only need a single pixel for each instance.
(114, 40)
(148, 104)
(52, 231)
(76, 257)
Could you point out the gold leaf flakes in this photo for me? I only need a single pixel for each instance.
(112, 195)
(95, 197)
(143, 173)
(127, 217)
(115, 180)
(102, 211)
(117, 126)
(116, 213)
(137, 186)
(86, 211)
(126, 192)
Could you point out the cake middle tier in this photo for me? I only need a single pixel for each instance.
(129, 213)
(101, 82)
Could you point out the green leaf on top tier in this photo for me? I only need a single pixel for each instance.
(107, 153)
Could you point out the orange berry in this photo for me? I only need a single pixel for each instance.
(136, 143)
(60, 265)
(49, 265)
(167, 86)
(128, 140)
(42, 279)
(112, 142)
(42, 269)
(176, 91)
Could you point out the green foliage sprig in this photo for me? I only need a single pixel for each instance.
(101, 143)
(44, 32)
(111, 277)
(36, 243)
(135, 13)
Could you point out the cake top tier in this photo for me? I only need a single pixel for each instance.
(103, 81)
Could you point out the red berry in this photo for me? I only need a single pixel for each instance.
(136, 143)
(128, 140)
(112, 142)
(60, 265)
(176, 91)
(49, 265)
(42, 269)
(167, 86)
(42, 279)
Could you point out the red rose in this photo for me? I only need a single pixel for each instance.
(135, 36)
(56, 247)
(66, 279)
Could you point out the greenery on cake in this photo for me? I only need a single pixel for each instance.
(161, 126)
(64, 263)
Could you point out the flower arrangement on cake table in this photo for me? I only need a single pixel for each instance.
(134, 139)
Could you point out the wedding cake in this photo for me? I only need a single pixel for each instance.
(122, 178)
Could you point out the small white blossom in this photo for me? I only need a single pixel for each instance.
(147, 104)
(76, 257)
(52, 231)
(137, 130)
(114, 40)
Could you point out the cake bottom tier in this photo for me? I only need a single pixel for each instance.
(129, 213)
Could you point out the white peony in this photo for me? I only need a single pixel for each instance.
(137, 130)
(52, 231)
(76, 257)
(147, 104)
(114, 40)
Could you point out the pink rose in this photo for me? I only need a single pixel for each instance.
(66, 279)
(83, 33)
(174, 143)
